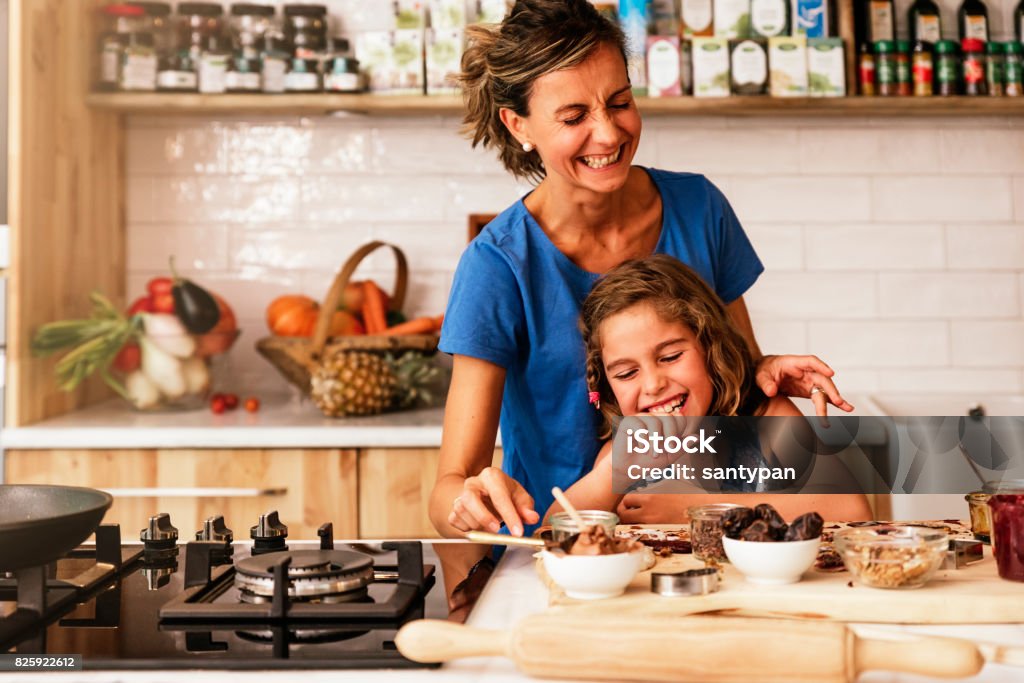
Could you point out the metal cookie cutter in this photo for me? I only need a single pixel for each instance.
(962, 552)
(690, 582)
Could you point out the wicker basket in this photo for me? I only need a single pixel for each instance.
(297, 357)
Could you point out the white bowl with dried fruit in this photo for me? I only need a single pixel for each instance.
(771, 563)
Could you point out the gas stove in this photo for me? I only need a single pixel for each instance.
(220, 604)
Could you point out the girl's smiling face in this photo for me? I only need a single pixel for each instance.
(583, 122)
(654, 366)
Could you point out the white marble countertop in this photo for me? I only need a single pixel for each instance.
(516, 591)
(281, 422)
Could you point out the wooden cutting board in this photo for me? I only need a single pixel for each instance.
(973, 594)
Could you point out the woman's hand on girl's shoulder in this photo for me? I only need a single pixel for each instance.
(801, 377)
(490, 498)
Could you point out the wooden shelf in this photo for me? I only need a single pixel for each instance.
(417, 105)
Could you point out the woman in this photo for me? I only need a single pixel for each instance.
(548, 90)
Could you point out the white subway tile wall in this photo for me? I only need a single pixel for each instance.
(894, 249)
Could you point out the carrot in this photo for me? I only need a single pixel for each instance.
(415, 326)
(374, 316)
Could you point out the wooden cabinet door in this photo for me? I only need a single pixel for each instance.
(306, 487)
(394, 491)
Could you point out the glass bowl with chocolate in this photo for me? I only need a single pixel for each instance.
(892, 557)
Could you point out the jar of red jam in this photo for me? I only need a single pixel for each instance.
(1007, 504)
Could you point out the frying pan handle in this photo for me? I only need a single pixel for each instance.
(194, 492)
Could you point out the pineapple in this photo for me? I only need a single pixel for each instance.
(362, 383)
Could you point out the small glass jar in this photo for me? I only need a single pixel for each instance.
(305, 28)
(198, 22)
(1006, 502)
(157, 20)
(243, 75)
(119, 22)
(1013, 73)
(706, 531)
(563, 526)
(973, 66)
(885, 68)
(137, 71)
(904, 80)
(303, 75)
(947, 69)
(981, 515)
(274, 61)
(922, 69)
(213, 66)
(249, 23)
(994, 67)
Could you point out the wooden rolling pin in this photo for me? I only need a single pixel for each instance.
(704, 649)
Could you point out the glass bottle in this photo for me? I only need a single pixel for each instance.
(119, 22)
(249, 22)
(866, 70)
(947, 69)
(904, 79)
(922, 69)
(1014, 70)
(973, 20)
(1006, 502)
(973, 66)
(274, 59)
(213, 65)
(197, 23)
(924, 22)
(885, 68)
(994, 68)
(881, 20)
(305, 28)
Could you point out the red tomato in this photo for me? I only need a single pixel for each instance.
(163, 303)
(217, 404)
(159, 285)
(231, 401)
(144, 304)
(252, 404)
(128, 359)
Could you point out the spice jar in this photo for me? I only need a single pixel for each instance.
(274, 59)
(922, 70)
(973, 66)
(866, 70)
(885, 68)
(904, 81)
(157, 21)
(981, 515)
(137, 70)
(994, 68)
(1007, 505)
(341, 74)
(198, 22)
(305, 28)
(947, 69)
(706, 531)
(243, 75)
(1013, 73)
(563, 526)
(249, 23)
(119, 22)
(213, 65)
(303, 75)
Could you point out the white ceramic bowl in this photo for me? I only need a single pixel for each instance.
(771, 562)
(589, 577)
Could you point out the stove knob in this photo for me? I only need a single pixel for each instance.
(214, 530)
(268, 527)
(160, 531)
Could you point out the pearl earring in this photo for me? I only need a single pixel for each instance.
(527, 147)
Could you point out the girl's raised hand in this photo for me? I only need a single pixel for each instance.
(490, 498)
(798, 376)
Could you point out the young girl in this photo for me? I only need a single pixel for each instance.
(659, 343)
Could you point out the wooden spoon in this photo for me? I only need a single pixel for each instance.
(570, 508)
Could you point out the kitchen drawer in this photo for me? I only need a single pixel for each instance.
(307, 487)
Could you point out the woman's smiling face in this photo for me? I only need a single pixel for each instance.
(583, 122)
(654, 366)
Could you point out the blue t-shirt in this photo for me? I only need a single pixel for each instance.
(516, 301)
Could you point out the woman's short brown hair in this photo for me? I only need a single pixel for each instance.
(678, 294)
(502, 62)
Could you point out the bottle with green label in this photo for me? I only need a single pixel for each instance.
(770, 18)
(924, 22)
(947, 69)
(973, 19)
(1013, 73)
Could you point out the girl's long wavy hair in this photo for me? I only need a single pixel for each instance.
(502, 61)
(678, 294)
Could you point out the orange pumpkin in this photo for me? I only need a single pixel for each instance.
(295, 315)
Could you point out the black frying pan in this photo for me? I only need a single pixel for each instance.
(38, 524)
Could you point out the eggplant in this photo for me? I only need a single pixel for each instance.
(194, 306)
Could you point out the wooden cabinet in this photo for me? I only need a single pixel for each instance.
(307, 487)
(369, 493)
